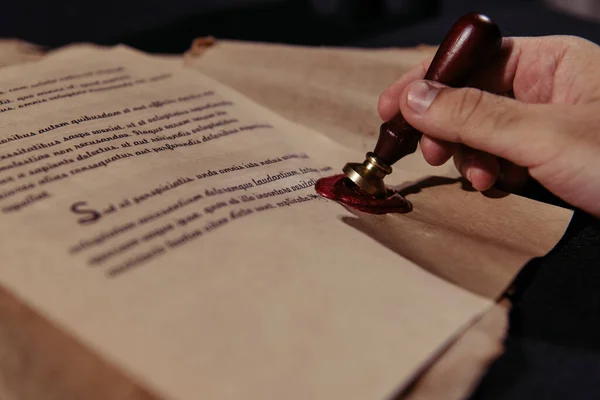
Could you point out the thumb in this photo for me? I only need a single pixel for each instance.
(526, 134)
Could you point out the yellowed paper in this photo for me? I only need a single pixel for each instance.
(456, 374)
(350, 119)
(332, 90)
(15, 51)
(171, 225)
(480, 243)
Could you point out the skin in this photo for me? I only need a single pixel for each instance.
(534, 113)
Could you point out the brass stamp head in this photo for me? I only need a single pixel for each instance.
(369, 175)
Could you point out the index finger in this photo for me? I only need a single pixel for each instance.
(499, 74)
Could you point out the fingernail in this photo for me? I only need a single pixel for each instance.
(467, 166)
(420, 96)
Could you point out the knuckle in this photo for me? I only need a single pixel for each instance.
(464, 111)
(505, 118)
(475, 115)
(574, 41)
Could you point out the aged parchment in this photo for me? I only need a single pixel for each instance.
(330, 152)
(171, 225)
(348, 82)
(335, 91)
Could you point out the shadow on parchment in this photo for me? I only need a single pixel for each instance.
(409, 188)
(388, 232)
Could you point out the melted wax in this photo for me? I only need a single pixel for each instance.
(341, 189)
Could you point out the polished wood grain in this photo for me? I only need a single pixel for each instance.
(469, 44)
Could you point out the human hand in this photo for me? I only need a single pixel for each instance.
(534, 112)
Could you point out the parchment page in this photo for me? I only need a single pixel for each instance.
(481, 241)
(332, 90)
(16, 51)
(171, 225)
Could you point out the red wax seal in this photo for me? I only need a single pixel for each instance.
(341, 189)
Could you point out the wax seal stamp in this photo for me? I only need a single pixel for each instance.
(470, 43)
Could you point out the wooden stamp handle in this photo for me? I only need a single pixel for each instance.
(471, 42)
